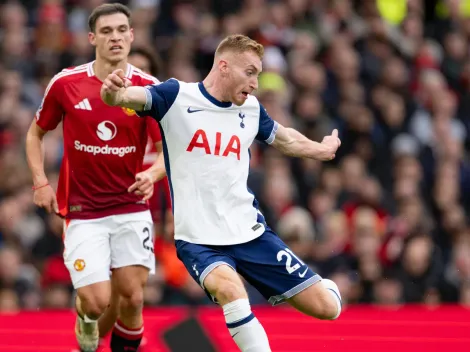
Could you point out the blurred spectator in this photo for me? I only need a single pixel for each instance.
(387, 219)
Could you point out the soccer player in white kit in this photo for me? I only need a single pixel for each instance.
(103, 189)
(207, 130)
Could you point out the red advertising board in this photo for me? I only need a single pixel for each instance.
(362, 328)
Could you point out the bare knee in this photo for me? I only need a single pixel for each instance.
(326, 307)
(94, 309)
(94, 301)
(228, 292)
(130, 283)
(318, 301)
(225, 285)
(133, 299)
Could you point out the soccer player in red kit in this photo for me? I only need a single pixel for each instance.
(106, 226)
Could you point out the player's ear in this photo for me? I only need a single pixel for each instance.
(132, 34)
(223, 67)
(92, 38)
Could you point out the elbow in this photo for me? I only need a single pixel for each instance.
(285, 150)
(31, 142)
(289, 148)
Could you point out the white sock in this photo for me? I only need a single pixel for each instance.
(333, 289)
(245, 329)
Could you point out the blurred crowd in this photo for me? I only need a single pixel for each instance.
(387, 219)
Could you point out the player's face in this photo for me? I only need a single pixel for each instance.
(112, 38)
(141, 62)
(243, 76)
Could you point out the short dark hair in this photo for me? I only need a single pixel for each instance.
(151, 56)
(107, 9)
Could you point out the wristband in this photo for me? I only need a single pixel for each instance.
(34, 188)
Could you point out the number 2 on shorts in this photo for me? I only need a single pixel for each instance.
(289, 254)
(147, 239)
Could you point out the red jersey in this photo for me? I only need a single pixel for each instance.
(104, 146)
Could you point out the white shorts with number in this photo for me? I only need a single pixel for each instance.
(93, 247)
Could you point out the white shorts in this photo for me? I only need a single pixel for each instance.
(93, 247)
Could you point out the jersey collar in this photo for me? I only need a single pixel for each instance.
(220, 104)
(91, 72)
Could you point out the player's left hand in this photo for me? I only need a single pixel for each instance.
(143, 185)
(331, 144)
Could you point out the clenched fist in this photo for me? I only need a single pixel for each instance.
(113, 87)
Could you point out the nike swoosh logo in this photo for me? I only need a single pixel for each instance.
(194, 110)
(236, 334)
(303, 274)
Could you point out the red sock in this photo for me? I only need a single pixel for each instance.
(126, 339)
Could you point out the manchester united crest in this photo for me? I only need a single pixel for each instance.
(79, 264)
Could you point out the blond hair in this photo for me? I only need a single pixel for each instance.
(239, 43)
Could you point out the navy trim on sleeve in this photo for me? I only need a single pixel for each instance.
(267, 127)
(160, 98)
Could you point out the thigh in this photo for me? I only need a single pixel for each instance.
(201, 260)
(272, 268)
(132, 241)
(87, 253)
(129, 279)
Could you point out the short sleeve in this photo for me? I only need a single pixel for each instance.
(160, 98)
(50, 113)
(267, 127)
(153, 130)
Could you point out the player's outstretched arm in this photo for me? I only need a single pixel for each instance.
(293, 143)
(117, 91)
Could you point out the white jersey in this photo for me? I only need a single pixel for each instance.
(206, 147)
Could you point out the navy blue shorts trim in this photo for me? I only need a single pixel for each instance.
(266, 263)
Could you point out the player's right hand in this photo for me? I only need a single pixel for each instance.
(331, 144)
(45, 197)
(112, 86)
(143, 185)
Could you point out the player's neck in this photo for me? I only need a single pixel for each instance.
(103, 68)
(214, 88)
